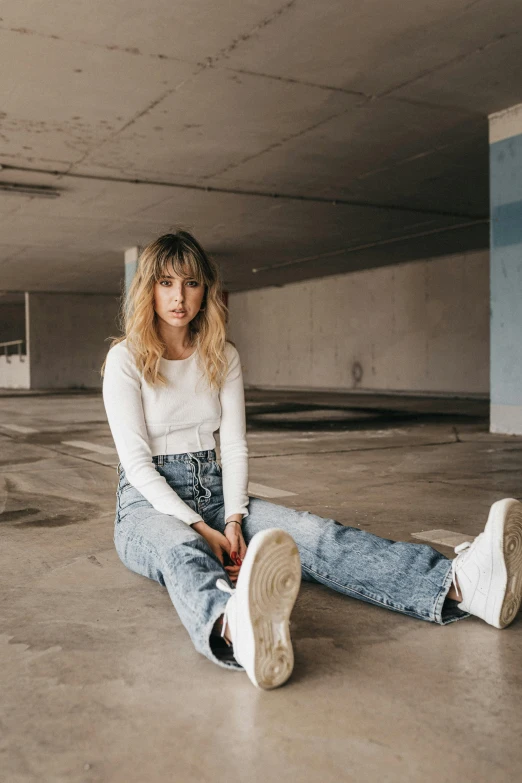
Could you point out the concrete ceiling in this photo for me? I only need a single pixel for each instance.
(297, 138)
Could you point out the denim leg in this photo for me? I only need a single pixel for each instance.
(413, 579)
(169, 551)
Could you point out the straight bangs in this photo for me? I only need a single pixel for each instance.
(184, 263)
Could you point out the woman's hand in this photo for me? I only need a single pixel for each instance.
(238, 547)
(231, 545)
(218, 543)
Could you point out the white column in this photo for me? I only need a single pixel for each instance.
(132, 255)
(505, 140)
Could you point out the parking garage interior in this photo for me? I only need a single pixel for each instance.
(355, 171)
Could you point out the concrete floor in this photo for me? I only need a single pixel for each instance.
(100, 681)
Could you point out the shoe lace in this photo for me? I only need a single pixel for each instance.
(461, 551)
(225, 587)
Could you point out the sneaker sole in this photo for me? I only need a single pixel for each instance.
(508, 512)
(274, 580)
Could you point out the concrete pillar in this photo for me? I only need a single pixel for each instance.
(505, 140)
(132, 255)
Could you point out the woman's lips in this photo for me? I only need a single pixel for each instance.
(178, 315)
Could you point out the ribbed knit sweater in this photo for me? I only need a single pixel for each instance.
(182, 416)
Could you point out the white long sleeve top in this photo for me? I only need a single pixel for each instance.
(182, 416)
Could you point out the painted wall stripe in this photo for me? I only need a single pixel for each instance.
(267, 492)
(443, 537)
(19, 428)
(84, 444)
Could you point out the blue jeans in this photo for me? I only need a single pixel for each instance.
(409, 578)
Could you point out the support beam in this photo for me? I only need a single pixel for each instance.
(505, 138)
(132, 255)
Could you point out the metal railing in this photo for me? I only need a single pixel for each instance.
(7, 355)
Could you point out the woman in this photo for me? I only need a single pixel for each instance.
(169, 383)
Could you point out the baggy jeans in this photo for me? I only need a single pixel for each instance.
(413, 579)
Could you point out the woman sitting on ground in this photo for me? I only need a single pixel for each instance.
(232, 564)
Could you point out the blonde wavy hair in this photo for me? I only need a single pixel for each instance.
(138, 319)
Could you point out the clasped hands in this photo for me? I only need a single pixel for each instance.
(229, 547)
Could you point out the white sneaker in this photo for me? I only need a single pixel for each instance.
(489, 571)
(259, 608)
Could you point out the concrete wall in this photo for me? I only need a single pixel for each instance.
(416, 327)
(67, 338)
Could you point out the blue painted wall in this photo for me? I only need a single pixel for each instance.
(506, 271)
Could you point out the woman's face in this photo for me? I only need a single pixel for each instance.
(172, 292)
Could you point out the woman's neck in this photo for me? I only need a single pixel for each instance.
(178, 343)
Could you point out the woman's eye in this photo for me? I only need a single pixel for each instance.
(192, 283)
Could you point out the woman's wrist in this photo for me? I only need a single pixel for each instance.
(234, 518)
(199, 526)
(233, 521)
